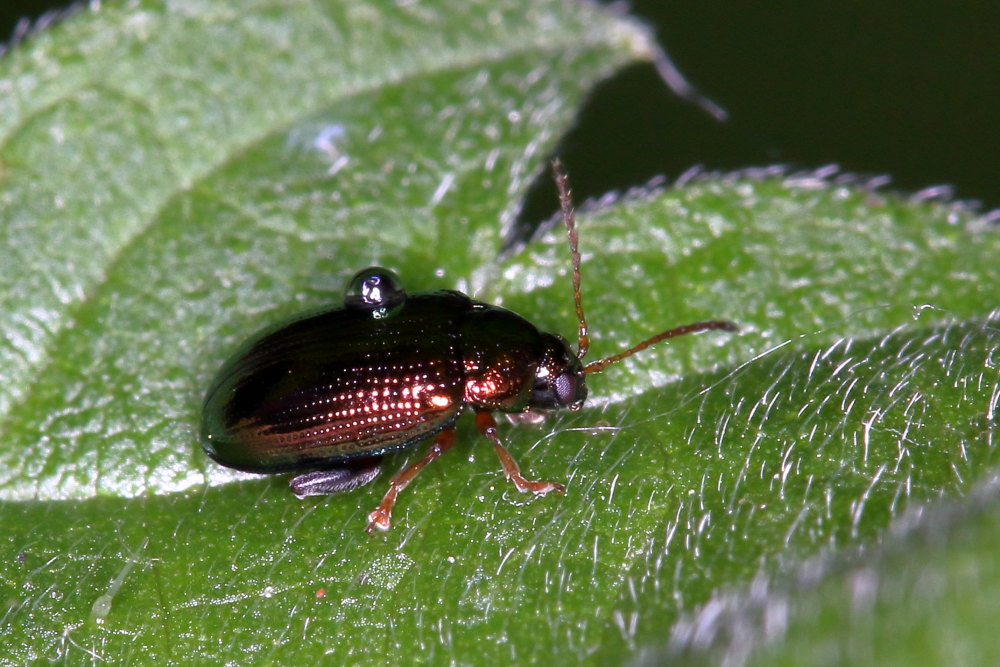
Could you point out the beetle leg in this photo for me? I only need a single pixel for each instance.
(488, 426)
(380, 517)
(346, 477)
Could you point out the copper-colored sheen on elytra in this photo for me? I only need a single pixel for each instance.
(339, 385)
(331, 392)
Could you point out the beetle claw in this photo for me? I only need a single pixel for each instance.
(378, 519)
(536, 487)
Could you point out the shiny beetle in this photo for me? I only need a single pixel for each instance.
(332, 392)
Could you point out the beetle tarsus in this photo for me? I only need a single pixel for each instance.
(381, 517)
(488, 426)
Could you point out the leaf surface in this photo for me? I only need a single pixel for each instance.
(174, 178)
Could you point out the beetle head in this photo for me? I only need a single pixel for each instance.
(559, 378)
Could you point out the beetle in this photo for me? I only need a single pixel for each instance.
(329, 393)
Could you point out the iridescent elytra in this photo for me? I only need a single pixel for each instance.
(329, 393)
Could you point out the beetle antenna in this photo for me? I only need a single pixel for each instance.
(566, 204)
(711, 325)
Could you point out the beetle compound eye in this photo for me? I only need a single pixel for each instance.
(377, 290)
(566, 388)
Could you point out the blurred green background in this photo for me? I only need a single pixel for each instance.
(903, 88)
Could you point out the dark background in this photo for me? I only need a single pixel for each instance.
(906, 88)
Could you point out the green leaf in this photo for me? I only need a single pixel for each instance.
(191, 173)
(174, 178)
(870, 382)
(927, 596)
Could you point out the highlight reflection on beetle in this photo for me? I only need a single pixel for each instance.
(328, 394)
